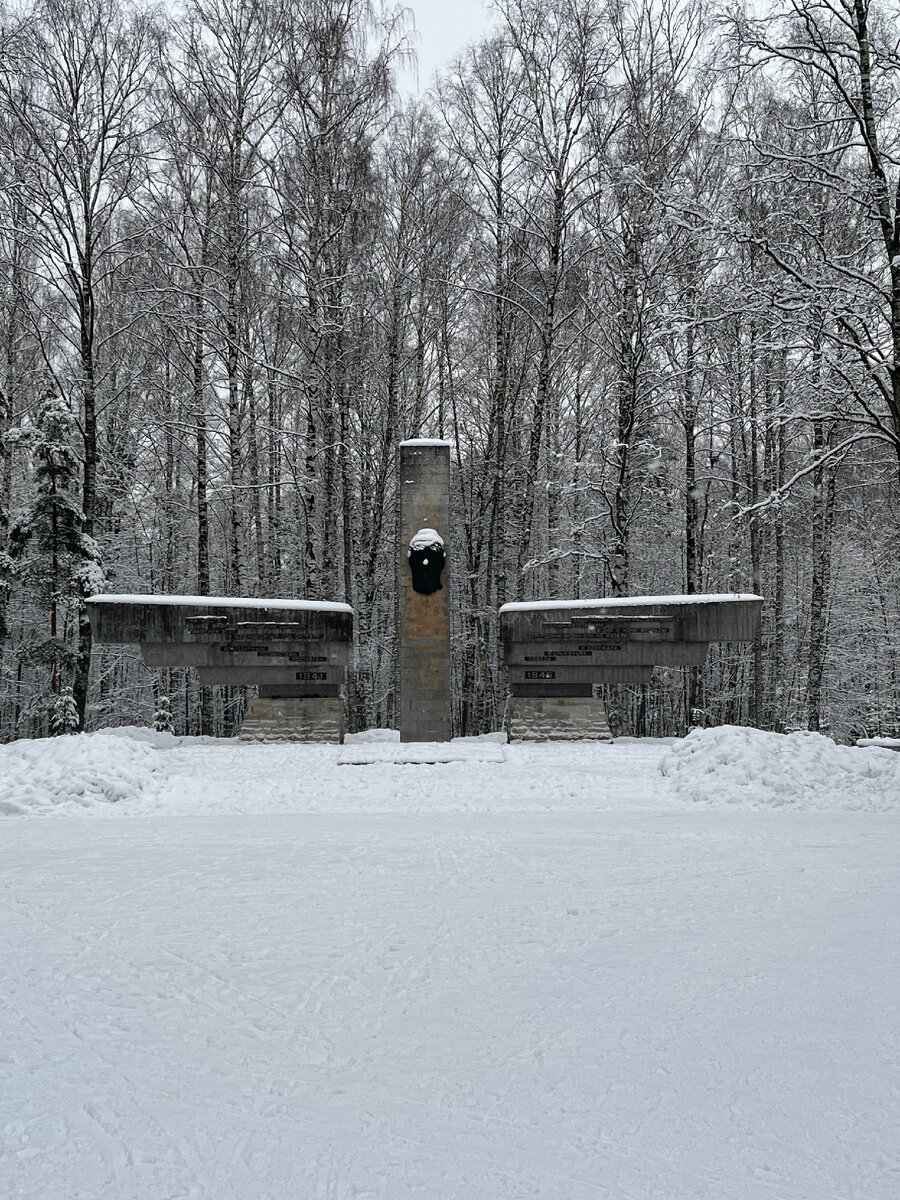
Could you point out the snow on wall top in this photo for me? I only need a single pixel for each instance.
(427, 442)
(626, 601)
(224, 602)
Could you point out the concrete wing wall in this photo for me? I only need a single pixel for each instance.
(173, 621)
(669, 619)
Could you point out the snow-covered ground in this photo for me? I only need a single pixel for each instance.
(638, 972)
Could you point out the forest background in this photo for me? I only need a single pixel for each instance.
(638, 260)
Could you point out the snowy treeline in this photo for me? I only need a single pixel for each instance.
(639, 263)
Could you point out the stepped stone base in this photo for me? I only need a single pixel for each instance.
(314, 719)
(556, 719)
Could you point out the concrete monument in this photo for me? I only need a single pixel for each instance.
(295, 651)
(424, 633)
(559, 653)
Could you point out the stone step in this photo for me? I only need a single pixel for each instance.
(556, 719)
(312, 719)
(420, 753)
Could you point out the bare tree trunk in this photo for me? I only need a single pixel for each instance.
(171, 531)
(87, 320)
(255, 484)
(329, 498)
(310, 563)
(693, 583)
(392, 422)
(577, 499)
(554, 498)
(626, 421)
(692, 569)
(779, 660)
(7, 390)
(238, 557)
(757, 688)
(198, 405)
(541, 393)
(822, 523)
(274, 521)
(202, 469)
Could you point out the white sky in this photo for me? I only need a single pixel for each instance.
(444, 28)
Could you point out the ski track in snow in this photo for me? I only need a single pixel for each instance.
(283, 979)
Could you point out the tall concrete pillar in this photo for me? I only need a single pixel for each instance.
(424, 537)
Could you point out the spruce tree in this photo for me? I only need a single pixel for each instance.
(162, 718)
(52, 556)
(64, 713)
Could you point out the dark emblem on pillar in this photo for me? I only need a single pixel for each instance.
(427, 559)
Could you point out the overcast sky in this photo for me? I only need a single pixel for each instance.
(444, 28)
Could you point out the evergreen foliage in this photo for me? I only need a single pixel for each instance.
(58, 565)
(64, 713)
(162, 718)
(45, 539)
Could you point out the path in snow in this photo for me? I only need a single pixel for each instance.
(602, 994)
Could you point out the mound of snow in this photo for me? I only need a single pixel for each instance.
(368, 736)
(70, 774)
(159, 741)
(142, 733)
(753, 769)
(886, 743)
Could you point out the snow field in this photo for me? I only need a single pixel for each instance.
(286, 979)
(132, 771)
(161, 774)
